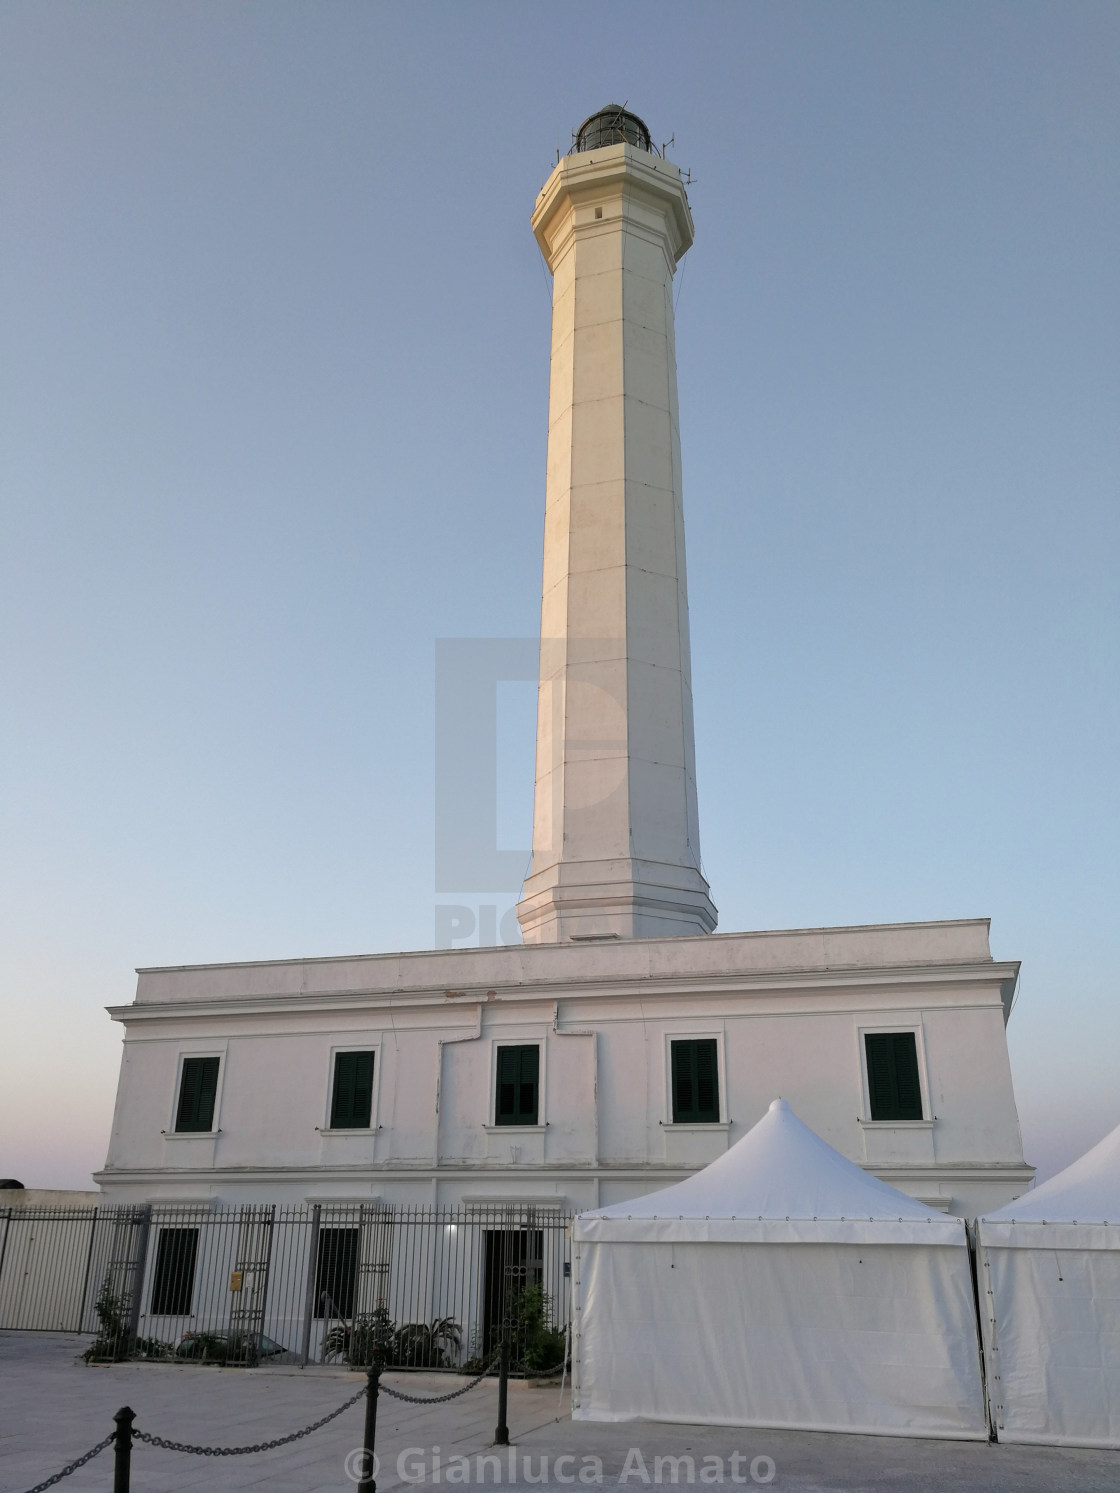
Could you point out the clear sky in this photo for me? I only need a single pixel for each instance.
(274, 340)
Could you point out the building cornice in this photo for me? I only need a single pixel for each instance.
(482, 1171)
(559, 950)
(742, 984)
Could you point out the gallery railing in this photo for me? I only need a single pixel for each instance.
(431, 1288)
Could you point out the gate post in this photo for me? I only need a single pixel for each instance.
(309, 1293)
(501, 1433)
(122, 1448)
(368, 1484)
(144, 1222)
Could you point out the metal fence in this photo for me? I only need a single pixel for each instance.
(431, 1288)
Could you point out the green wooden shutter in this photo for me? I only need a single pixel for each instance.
(518, 1085)
(683, 1086)
(352, 1097)
(707, 1082)
(695, 1081)
(529, 1088)
(509, 1071)
(907, 1084)
(893, 1085)
(198, 1089)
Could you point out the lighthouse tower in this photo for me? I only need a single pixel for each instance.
(616, 846)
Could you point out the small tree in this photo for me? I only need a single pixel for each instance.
(113, 1341)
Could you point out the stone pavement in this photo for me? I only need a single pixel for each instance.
(53, 1408)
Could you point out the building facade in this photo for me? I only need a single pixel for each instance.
(567, 1075)
(623, 1044)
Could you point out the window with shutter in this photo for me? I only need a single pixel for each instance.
(173, 1277)
(198, 1088)
(893, 1085)
(336, 1272)
(352, 1095)
(695, 1082)
(518, 1086)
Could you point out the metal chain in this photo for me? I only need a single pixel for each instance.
(399, 1394)
(541, 1373)
(267, 1446)
(241, 1451)
(73, 1466)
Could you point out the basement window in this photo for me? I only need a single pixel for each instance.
(518, 1086)
(695, 1082)
(893, 1085)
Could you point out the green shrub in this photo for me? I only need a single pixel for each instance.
(535, 1345)
(113, 1341)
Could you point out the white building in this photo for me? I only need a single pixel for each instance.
(622, 1045)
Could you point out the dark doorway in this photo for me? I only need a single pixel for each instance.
(173, 1281)
(336, 1271)
(514, 1260)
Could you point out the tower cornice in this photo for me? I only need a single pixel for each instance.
(583, 181)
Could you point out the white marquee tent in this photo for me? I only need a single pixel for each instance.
(780, 1286)
(1050, 1278)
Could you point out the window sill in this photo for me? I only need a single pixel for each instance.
(696, 1126)
(515, 1129)
(348, 1129)
(895, 1124)
(189, 1134)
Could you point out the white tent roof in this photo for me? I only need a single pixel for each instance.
(1080, 1207)
(780, 1182)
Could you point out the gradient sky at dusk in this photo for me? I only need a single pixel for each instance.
(274, 348)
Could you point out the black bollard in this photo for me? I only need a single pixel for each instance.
(501, 1434)
(367, 1484)
(122, 1448)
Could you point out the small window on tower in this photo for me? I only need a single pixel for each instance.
(695, 1082)
(893, 1086)
(518, 1086)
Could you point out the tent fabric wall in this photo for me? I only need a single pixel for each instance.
(1050, 1284)
(871, 1338)
(779, 1286)
(1052, 1341)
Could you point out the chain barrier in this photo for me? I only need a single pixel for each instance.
(266, 1446)
(73, 1466)
(241, 1451)
(399, 1394)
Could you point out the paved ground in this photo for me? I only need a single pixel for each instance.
(53, 1408)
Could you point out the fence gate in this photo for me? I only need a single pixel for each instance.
(248, 1281)
(44, 1255)
(128, 1255)
(375, 1255)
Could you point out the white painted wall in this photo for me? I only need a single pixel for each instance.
(787, 1013)
(616, 845)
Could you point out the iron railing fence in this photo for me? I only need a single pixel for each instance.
(431, 1288)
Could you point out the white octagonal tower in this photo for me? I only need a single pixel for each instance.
(616, 846)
